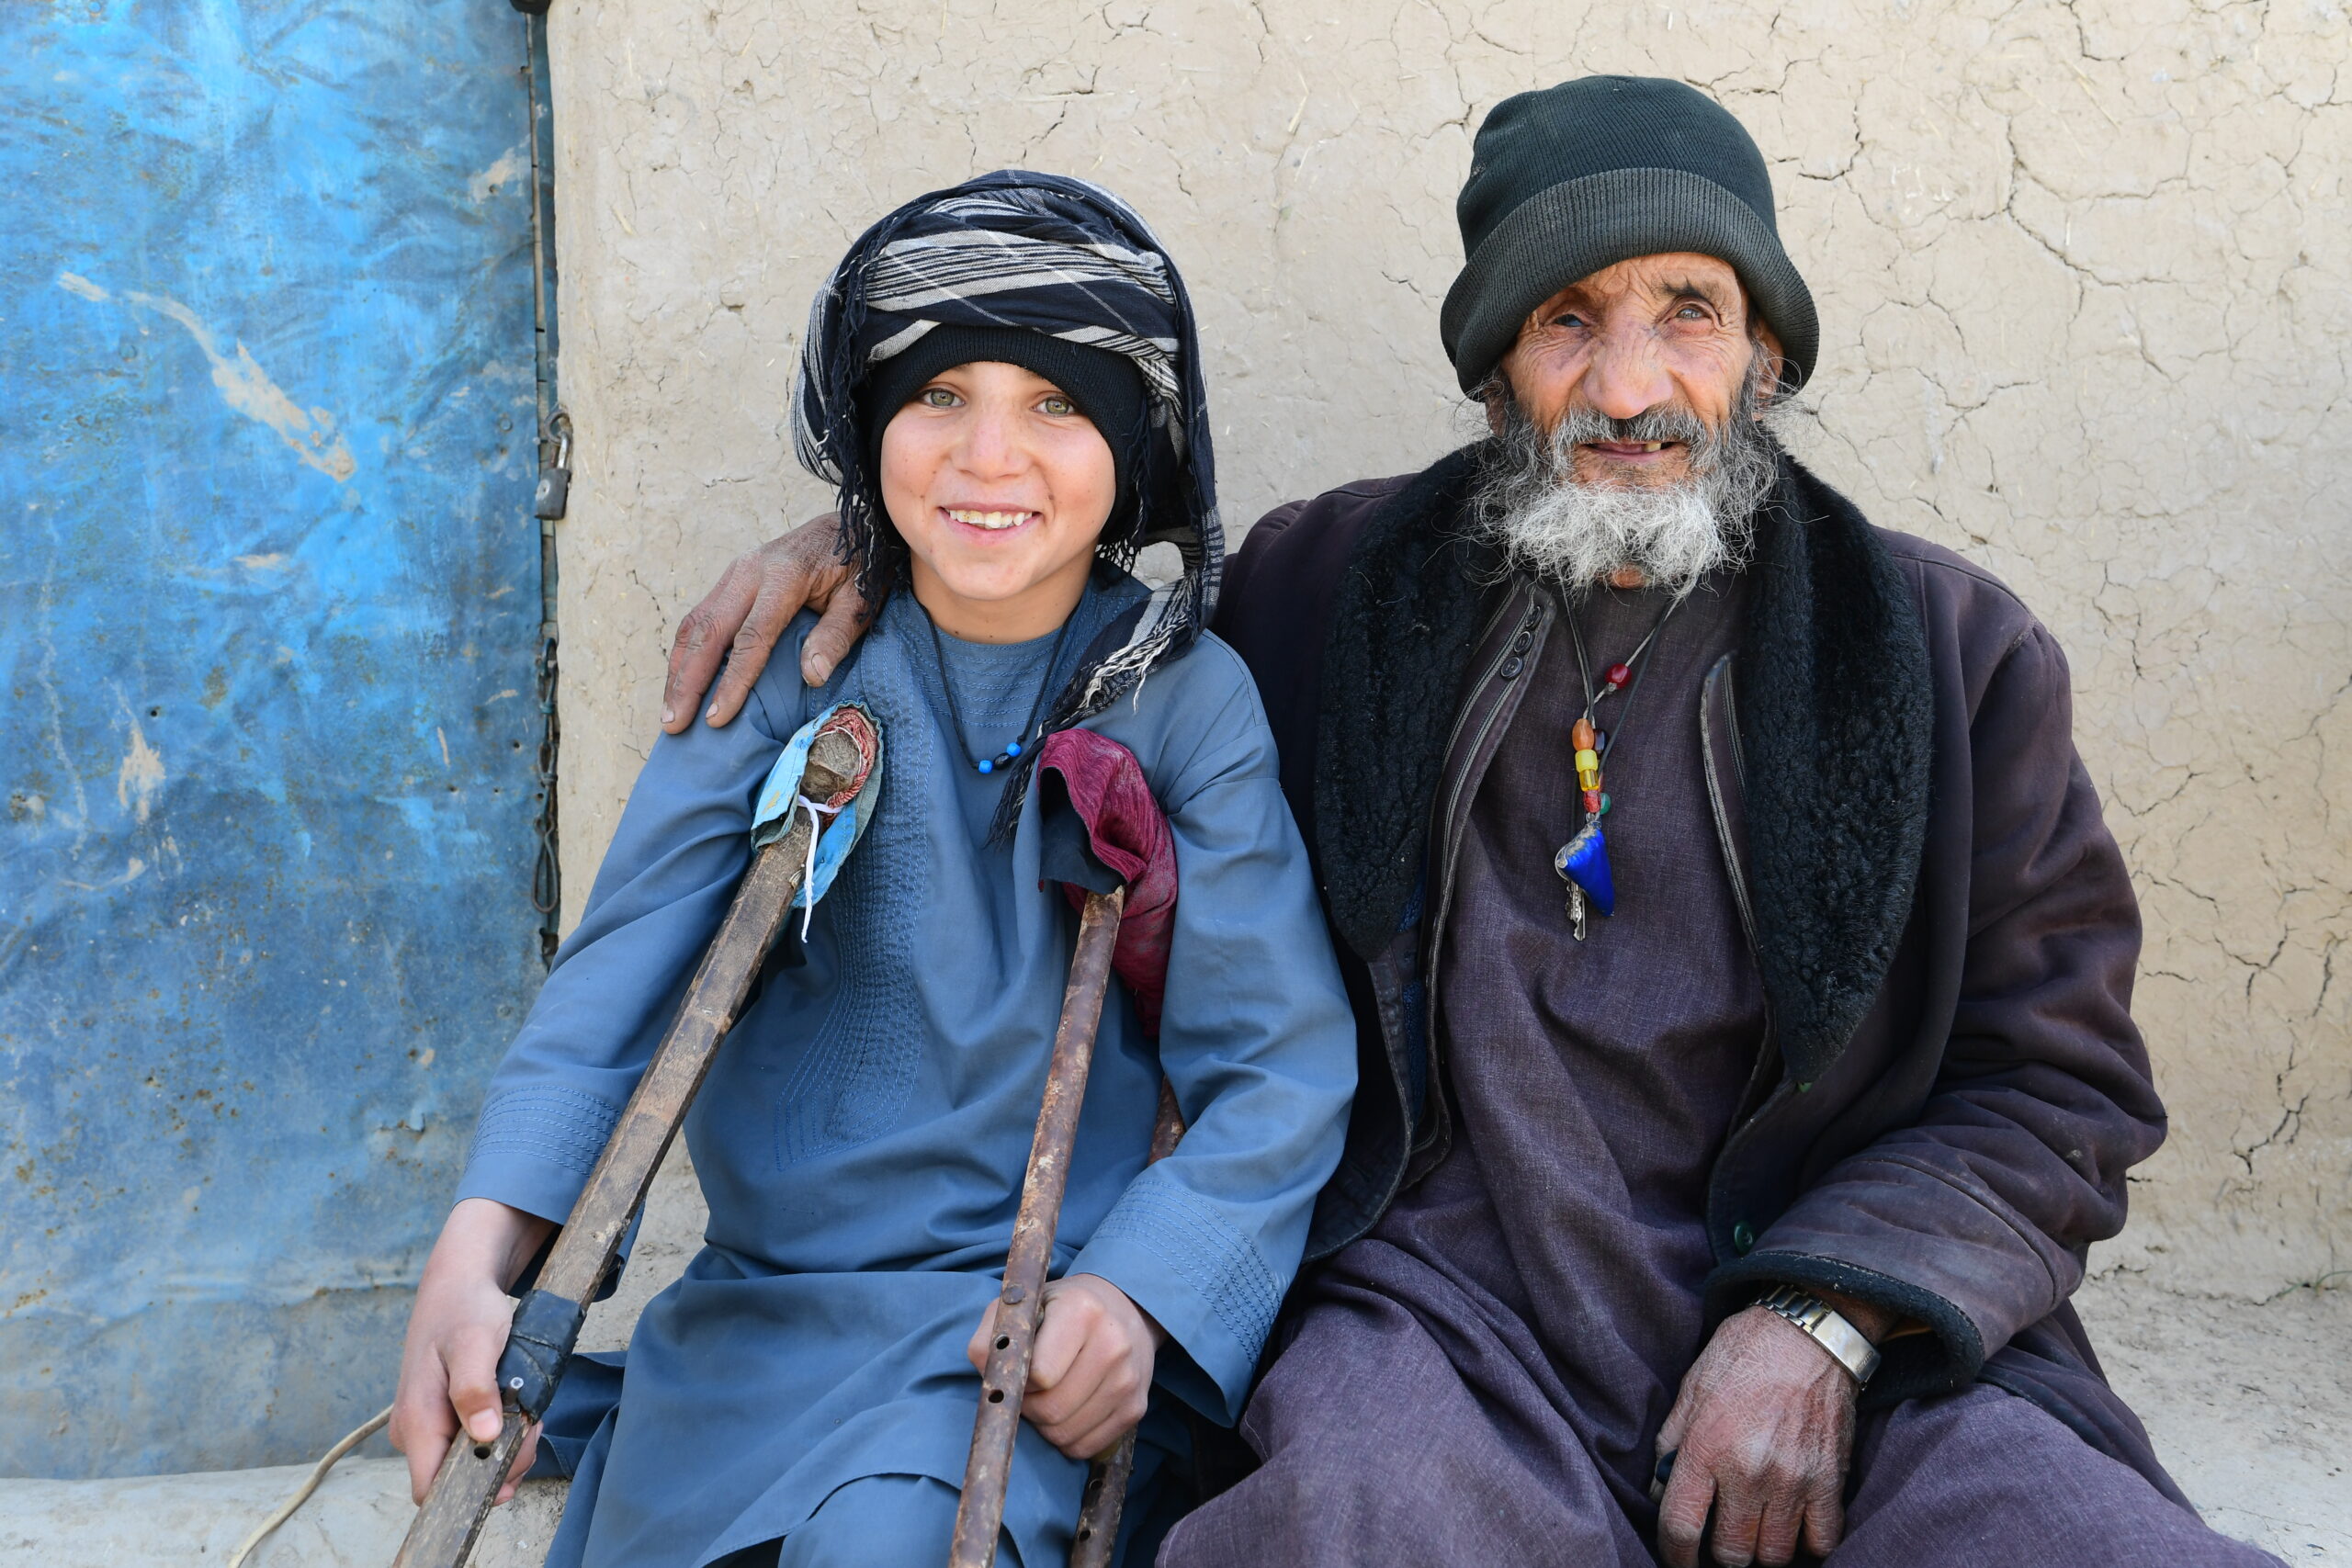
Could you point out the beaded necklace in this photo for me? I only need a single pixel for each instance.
(1583, 860)
(1028, 727)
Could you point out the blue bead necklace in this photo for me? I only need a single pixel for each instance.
(1028, 729)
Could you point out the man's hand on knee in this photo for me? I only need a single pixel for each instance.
(1091, 1373)
(739, 620)
(1764, 1425)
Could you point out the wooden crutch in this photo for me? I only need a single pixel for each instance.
(979, 1514)
(1124, 842)
(546, 1324)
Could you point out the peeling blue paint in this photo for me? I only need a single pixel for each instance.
(268, 599)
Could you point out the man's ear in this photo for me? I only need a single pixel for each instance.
(1495, 393)
(1768, 346)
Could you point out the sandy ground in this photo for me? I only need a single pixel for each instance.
(2250, 1405)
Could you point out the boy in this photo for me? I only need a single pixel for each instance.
(1003, 381)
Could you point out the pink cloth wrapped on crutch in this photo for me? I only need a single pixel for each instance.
(1126, 832)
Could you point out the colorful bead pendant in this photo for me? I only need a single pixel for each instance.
(1583, 862)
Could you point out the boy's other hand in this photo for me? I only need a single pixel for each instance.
(1091, 1373)
(739, 620)
(456, 1331)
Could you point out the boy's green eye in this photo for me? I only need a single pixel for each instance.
(938, 397)
(1058, 406)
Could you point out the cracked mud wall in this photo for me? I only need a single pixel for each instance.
(2086, 305)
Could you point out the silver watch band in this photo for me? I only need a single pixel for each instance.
(1830, 1331)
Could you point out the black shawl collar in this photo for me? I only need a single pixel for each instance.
(1836, 721)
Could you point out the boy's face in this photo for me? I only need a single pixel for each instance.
(999, 487)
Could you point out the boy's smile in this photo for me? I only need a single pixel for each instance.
(988, 522)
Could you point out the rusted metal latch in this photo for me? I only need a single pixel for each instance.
(554, 493)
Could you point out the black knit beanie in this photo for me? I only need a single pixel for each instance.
(1105, 386)
(1574, 178)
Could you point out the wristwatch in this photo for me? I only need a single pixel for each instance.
(1831, 1332)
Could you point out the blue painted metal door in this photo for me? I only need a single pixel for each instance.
(269, 598)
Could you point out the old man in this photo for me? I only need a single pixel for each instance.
(1741, 967)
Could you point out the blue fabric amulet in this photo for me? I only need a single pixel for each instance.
(1584, 860)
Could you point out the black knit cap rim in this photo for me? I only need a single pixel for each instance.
(1104, 385)
(1576, 178)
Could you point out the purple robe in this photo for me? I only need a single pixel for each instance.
(1482, 1378)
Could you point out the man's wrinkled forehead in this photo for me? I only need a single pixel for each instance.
(1673, 278)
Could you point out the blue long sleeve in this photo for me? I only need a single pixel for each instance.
(666, 884)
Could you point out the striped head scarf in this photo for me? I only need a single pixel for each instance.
(1051, 255)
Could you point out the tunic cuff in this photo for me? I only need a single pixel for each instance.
(534, 1146)
(1202, 1280)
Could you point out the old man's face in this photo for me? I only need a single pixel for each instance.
(1627, 412)
(1664, 331)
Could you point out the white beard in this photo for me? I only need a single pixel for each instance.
(1550, 524)
(1577, 533)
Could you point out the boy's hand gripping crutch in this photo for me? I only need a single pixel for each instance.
(1105, 837)
(810, 811)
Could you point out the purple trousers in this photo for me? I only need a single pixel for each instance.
(1383, 1445)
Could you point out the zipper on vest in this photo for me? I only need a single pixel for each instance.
(1738, 872)
(1493, 664)
(1527, 624)
(1442, 908)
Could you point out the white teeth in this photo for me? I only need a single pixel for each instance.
(992, 521)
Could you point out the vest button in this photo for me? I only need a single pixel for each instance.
(1512, 667)
(1743, 1236)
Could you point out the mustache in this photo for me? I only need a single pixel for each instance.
(1585, 425)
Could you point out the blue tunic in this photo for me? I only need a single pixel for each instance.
(862, 1134)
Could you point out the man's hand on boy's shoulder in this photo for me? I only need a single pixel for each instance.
(1089, 1375)
(739, 620)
